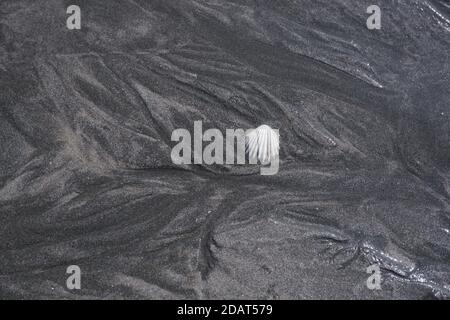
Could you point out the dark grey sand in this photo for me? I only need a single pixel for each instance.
(86, 176)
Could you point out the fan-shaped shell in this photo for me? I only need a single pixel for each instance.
(262, 143)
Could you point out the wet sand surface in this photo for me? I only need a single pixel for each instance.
(86, 177)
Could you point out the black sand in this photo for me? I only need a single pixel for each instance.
(86, 176)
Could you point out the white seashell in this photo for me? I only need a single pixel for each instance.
(262, 143)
